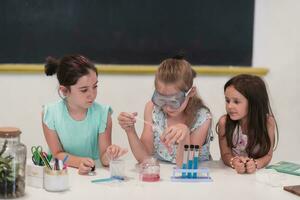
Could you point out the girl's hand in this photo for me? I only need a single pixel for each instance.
(250, 166)
(85, 166)
(127, 120)
(114, 151)
(175, 134)
(239, 165)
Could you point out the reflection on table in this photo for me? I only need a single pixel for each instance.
(226, 184)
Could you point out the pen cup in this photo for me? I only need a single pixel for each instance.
(117, 168)
(56, 180)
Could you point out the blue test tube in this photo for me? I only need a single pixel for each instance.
(185, 160)
(196, 157)
(191, 158)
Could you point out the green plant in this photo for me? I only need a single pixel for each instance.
(7, 177)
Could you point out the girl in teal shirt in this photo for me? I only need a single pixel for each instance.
(76, 125)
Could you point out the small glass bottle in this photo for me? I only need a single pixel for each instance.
(12, 163)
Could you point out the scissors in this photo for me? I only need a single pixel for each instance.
(36, 155)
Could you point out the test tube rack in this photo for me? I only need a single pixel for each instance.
(197, 175)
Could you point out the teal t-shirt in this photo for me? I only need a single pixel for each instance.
(79, 138)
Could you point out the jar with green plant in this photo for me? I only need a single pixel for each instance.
(12, 163)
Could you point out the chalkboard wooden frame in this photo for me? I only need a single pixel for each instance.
(139, 69)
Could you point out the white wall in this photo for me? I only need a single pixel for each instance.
(276, 47)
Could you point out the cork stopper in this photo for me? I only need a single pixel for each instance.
(7, 132)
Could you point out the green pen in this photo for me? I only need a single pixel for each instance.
(49, 157)
(45, 161)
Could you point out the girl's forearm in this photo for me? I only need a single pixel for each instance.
(72, 161)
(227, 157)
(263, 161)
(137, 147)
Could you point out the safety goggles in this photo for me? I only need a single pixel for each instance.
(174, 101)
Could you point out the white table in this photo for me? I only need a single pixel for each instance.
(226, 184)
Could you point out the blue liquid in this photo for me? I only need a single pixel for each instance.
(190, 166)
(183, 171)
(195, 167)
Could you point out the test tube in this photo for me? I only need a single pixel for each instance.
(185, 160)
(196, 156)
(190, 162)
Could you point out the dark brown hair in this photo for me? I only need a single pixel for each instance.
(254, 90)
(178, 71)
(69, 68)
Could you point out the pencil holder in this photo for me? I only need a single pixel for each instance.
(34, 175)
(56, 180)
(117, 168)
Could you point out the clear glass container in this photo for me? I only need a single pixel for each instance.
(150, 170)
(117, 168)
(12, 163)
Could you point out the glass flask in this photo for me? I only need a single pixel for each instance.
(12, 163)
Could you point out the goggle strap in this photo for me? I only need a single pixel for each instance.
(187, 93)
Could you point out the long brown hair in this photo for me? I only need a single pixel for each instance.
(179, 71)
(254, 90)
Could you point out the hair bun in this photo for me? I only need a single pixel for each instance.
(179, 56)
(51, 66)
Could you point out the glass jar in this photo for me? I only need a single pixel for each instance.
(150, 170)
(12, 163)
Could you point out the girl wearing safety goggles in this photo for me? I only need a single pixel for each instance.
(175, 116)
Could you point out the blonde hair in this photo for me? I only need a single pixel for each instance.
(178, 71)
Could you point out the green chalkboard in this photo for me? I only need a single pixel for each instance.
(210, 32)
